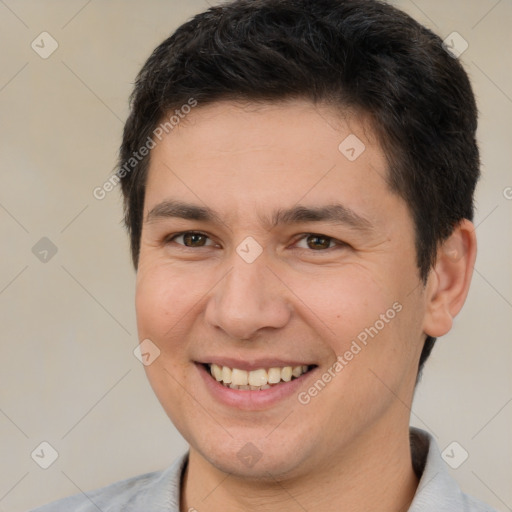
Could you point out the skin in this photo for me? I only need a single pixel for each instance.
(305, 298)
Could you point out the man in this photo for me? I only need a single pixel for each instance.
(298, 179)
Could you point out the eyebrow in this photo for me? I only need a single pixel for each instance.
(334, 213)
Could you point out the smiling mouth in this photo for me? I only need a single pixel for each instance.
(255, 380)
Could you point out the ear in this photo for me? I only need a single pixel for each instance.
(449, 280)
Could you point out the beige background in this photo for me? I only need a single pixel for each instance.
(68, 375)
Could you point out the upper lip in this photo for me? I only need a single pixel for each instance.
(252, 364)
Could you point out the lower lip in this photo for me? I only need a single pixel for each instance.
(248, 399)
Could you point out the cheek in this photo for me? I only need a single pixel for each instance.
(364, 318)
(162, 299)
(342, 301)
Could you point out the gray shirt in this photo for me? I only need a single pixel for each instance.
(159, 491)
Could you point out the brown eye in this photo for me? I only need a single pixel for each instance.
(190, 239)
(317, 242)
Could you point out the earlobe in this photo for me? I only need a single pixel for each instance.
(449, 280)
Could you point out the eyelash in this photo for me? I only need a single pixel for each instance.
(338, 243)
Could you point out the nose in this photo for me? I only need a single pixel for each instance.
(248, 299)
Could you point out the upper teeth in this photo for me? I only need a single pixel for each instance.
(255, 378)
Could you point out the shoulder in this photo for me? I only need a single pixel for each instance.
(149, 490)
(116, 494)
(471, 504)
(437, 490)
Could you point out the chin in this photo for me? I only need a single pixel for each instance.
(262, 460)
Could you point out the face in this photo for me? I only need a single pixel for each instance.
(331, 285)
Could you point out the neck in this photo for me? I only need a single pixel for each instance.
(372, 474)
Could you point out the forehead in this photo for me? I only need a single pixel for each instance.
(234, 157)
(296, 126)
